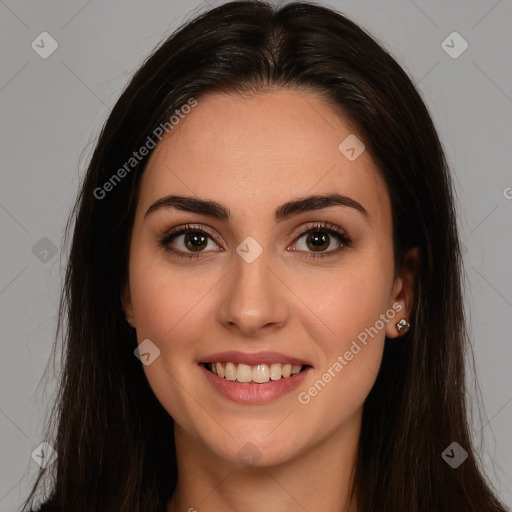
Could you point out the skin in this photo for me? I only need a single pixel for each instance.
(252, 154)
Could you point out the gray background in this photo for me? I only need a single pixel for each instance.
(52, 110)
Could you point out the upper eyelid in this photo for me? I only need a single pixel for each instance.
(180, 230)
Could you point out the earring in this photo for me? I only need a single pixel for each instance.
(403, 325)
(130, 322)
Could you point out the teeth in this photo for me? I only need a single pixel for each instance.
(220, 369)
(261, 373)
(287, 370)
(230, 372)
(275, 371)
(243, 373)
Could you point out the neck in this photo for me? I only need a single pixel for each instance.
(320, 478)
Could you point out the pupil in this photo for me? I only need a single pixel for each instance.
(196, 239)
(315, 237)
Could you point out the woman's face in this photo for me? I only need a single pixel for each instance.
(263, 278)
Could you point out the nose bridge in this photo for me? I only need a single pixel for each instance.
(253, 299)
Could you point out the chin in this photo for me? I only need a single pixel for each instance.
(248, 451)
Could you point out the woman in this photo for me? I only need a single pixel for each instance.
(263, 293)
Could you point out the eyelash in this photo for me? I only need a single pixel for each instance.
(167, 236)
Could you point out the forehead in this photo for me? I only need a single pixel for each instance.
(262, 150)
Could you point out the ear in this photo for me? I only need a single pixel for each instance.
(126, 300)
(402, 296)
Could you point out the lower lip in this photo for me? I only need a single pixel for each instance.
(254, 393)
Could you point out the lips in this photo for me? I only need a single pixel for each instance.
(264, 384)
(254, 393)
(253, 359)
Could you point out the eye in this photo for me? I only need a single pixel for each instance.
(318, 238)
(194, 241)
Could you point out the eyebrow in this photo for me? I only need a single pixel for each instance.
(283, 212)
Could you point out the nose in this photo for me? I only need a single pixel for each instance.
(253, 299)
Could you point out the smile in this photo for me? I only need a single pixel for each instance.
(251, 391)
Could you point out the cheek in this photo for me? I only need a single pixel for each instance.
(163, 296)
(168, 308)
(356, 311)
(351, 299)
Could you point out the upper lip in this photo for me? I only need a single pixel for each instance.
(252, 359)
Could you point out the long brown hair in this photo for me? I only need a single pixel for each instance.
(114, 439)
